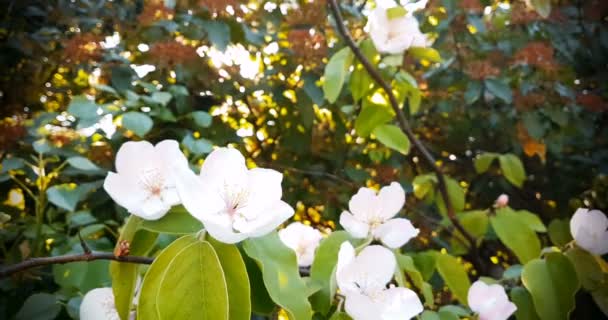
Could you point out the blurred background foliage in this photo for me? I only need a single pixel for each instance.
(79, 78)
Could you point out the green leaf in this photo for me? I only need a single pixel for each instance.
(395, 12)
(532, 220)
(137, 122)
(322, 270)
(512, 169)
(177, 221)
(340, 316)
(600, 296)
(67, 196)
(552, 282)
(261, 303)
(476, 223)
(429, 315)
(424, 53)
(456, 194)
(237, 281)
(483, 161)
(559, 232)
(218, 33)
(370, 117)
(197, 146)
(84, 109)
(406, 263)
(193, 285)
(454, 275)
(83, 163)
(426, 262)
(360, 80)
(500, 89)
(202, 118)
(312, 90)
(542, 7)
(473, 92)
(588, 270)
(392, 137)
(525, 306)
(281, 274)
(423, 185)
(39, 306)
(161, 98)
(516, 234)
(335, 73)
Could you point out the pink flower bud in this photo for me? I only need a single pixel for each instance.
(502, 201)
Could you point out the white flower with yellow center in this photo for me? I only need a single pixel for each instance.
(364, 282)
(371, 215)
(233, 203)
(144, 183)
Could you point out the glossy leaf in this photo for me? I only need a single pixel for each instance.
(454, 275)
(392, 137)
(39, 306)
(176, 221)
(525, 306)
(516, 234)
(483, 161)
(559, 232)
(532, 220)
(335, 73)
(512, 169)
(281, 274)
(139, 123)
(370, 117)
(429, 54)
(552, 282)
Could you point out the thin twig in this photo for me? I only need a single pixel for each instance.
(39, 262)
(403, 122)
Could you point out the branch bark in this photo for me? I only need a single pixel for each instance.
(83, 257)
(403, 123)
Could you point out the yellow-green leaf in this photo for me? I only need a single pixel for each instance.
(392, 137)
(454, 275)
(516, 234)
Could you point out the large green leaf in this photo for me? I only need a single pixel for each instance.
(67, 195)
(454, 275)
(322, 270)
(237, 281)
(176, 221)
(193, 285)
(406, 264)
(261, 303)
(532, 220)
(515, 233)
(370, 117)
(559, 232)
(39, 306)
(476, 223)
(139, 123)
(552, 282)
(512, 169)
(525, 306)
(281, 274)
(335, 73)
(391, 136)
(456, 194)
(83, 163)
(483, 161)
(146, 308)
(587, 268)
(500, 89)
(360, 80)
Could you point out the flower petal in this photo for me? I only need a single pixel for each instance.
(361, 307)
(264, 187)
(477, 295)
(395, 232)
(197, 197)
(356, 228)
(589, 230)
(132, 155)
(98, 304)
(222, 233)
(276, 214)
(400, 303)
(346, 256)
(392, 199)
(501, 311)
(225, 168)
(364, 204)
(152, 208)
(123, 190)
(170, 155)
(375, 267)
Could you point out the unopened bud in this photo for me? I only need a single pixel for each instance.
(502, 201)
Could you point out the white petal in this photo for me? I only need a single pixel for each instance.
(589, 230)
(275, 215)
(364, 204)
(476, 297)
(223, 234)
(490, 301)
(171, 197)
(361, 307)
(302, 239)
(170, 155)
(123, 190)
(152, 208)
(395, 232)
(98, 304)
(375, 266)
(197, 197)
(356, 228)
(400, 303)
(264, 187)
(225, 168)
(392, 199)
(346, 256)
(501, 311)
(132, 155)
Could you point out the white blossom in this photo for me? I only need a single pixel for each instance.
(397, 34)
(232, 202)
(98, 304)
(372, 214)
(303, 239)
(144, 182)
(490, 302)
(363, 281)
(589, 229)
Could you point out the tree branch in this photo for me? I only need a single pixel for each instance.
(82, 257)
(403, 122)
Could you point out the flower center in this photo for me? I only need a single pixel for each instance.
(152, 181)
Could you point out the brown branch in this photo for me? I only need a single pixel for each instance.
(82, 257)
(403, 123)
